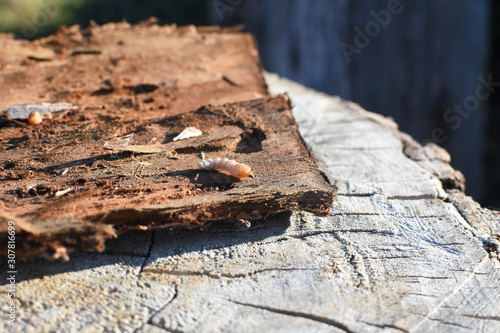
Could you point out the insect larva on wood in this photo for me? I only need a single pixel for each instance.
(237, 170)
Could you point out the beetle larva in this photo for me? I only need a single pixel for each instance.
(237, 170)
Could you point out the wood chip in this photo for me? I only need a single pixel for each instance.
(188, 132)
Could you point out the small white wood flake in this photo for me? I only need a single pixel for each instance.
(189, 132)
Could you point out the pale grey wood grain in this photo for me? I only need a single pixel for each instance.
(92, 293)
(398, 253)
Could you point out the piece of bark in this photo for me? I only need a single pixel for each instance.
(165, 187)
(113, 162)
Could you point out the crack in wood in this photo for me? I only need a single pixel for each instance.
(496, 318)
(355, 214)
(449, 323)
(148, 255)
(421, 294)
(423, 277)
(150, 320)
(390, 258)
(221, 275)
(229, 81)
(449, 244)
(412, 197)
(469, 271)
(369, 231)
(304, 315)
(357, 194)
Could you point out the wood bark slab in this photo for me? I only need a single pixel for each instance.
(113, 163)
(399, 252)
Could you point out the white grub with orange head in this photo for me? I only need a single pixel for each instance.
(235, 169)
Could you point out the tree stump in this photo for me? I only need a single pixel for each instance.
(402, 250)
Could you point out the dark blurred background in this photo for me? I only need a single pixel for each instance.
(432, 65)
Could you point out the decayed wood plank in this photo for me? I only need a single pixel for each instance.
(107, 159)
(287, 179)
(394, 255)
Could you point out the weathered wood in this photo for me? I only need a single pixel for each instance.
(113, 163)
(129, 73)
(398, 253)
(397, 58)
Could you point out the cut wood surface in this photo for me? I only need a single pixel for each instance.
(399, 252)
(107, 159)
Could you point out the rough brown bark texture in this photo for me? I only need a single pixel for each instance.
(112, 164)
